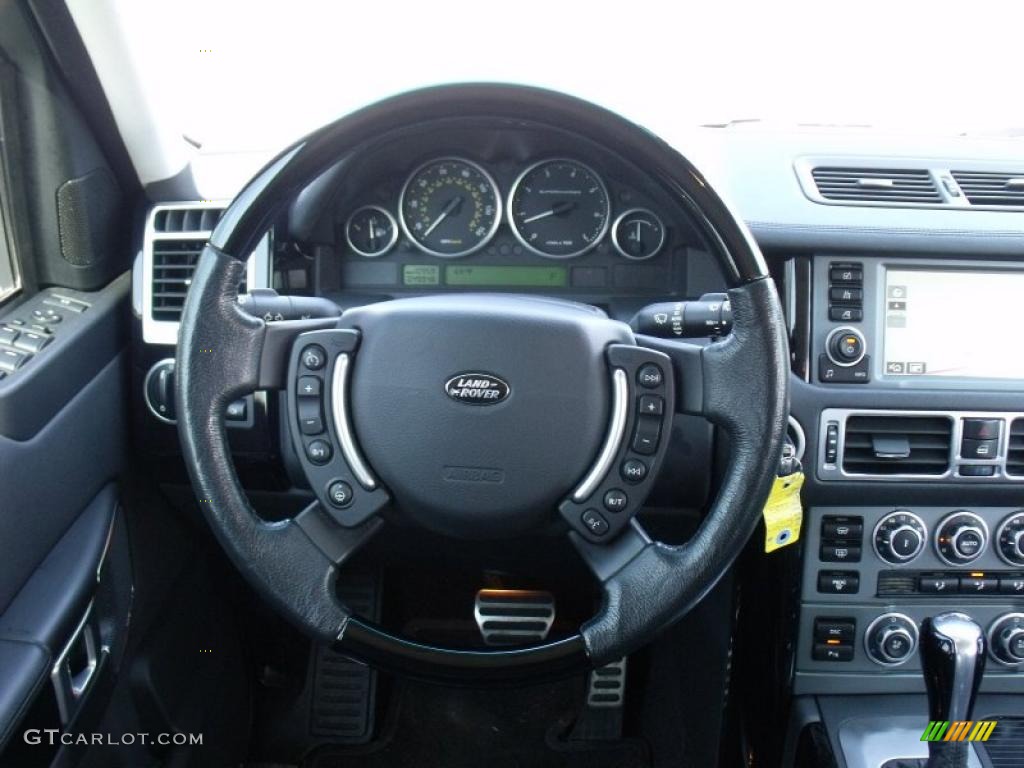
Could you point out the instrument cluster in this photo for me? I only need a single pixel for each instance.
(557, 208)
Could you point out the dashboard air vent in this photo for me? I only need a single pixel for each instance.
(897, 445)
(988, 188)
(186, 219)
(174, 262)
(876, 185)
(1015, 451)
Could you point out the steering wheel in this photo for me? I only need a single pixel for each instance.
(480, 415)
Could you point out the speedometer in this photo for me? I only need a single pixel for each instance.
(450, 207)
(559, 208)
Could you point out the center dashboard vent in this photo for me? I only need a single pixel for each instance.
(1015, 449)
(897, 445)
(991, 189)
(876, 185)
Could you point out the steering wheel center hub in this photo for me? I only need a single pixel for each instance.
(480, 412)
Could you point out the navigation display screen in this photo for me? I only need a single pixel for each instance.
(955, 323)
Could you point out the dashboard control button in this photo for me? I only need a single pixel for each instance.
(831, 373)
(978, 585)
(846, 314)
(1011, 585)
(840, 553)
(846, 275)
(616, 500)
(843, 295)
(938, 585)
(309, 386)
(650, 376)
(842, 630)
(633, 470)
(977, 470)
(838, 582)
(961, 538)
(314, 357)
(48, 316)
(899, 537)
(652, 404)
(339, 493)
(832, 443)
(237, 410)
(1006, 639)
(647, 434)
(8, 335)
(982, 429)
(595, 522)
(979, 449)
(11, 359)
(32, 342)
(319, 451)
(845, 346)
(891, 639)
(1010, 539)
(840, 528)
(311, 418)
(824, 652)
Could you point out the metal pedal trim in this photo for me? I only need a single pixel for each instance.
(606, 686)
(513, 616)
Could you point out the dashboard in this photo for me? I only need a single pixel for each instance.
(495, 208)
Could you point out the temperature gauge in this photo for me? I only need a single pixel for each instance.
(638, 234)
(371, 231)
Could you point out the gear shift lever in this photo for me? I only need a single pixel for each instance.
(953, 657)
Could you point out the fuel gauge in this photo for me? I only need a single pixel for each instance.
(371, 231)
(638, 234)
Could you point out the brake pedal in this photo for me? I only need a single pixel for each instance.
(602, 717)
(514, 616)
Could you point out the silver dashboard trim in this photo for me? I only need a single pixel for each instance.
(999, 535)
(391, 240)
(612, 440)
(990, 639)
(914, 637)
(834, 471)
(615, 233)
(977, 523)
(343, 426)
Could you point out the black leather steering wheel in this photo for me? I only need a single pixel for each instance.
(402, 430)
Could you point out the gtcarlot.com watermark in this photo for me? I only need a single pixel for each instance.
(54, 737)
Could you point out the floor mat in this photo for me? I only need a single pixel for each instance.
(432, 727)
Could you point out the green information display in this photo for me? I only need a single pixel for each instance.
(421, 274)
(482, 275)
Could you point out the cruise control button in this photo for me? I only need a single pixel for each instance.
(652, 404)
(615, 500)
(633, 470)
(309, 386)
(311, 420)
(649, 376)
(595, 522)
(319, 451)
(979, 449)
(314, 357)
(339, 493)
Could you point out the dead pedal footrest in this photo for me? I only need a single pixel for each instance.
(514, 616)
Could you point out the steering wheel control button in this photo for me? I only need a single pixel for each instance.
(1010, 539)
(339, 493)
(838, 582)
(313, 357)
(616, 500)
(647, 434)
(311, 418)
(237, 410)
(652, 405)
(891, 639)
(595, 522)
(319, 451)
(633, 470)
(900, 537)
(650, 376)
(961, 538)
(309, 386)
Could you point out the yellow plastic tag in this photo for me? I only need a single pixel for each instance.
(783, 513)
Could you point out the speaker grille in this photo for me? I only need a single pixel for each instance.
(87, 218)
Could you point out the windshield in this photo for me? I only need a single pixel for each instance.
(251, 75)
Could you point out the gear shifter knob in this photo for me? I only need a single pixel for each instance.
(953, 657)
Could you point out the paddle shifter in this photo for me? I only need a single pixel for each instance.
(953, 657)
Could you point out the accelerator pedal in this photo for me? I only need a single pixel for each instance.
(514, 616)
(601, 718)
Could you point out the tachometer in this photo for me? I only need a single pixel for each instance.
(450, 207)
(559, 208)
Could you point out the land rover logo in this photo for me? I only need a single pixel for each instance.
(476, 388)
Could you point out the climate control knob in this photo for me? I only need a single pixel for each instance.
(891, 639)
(845, 346)
(899, 537)
(1006, 639)
(961, 538)
(1010, 539)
